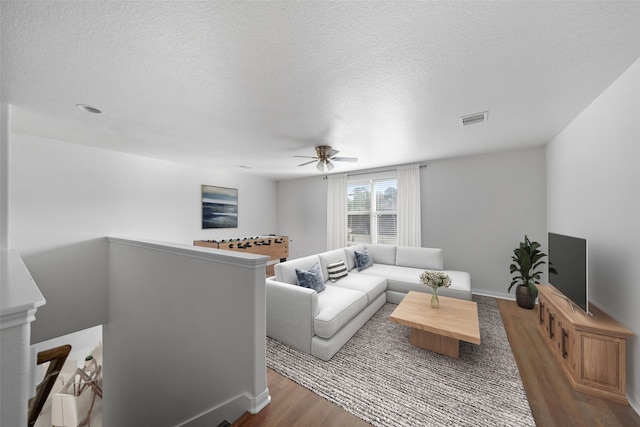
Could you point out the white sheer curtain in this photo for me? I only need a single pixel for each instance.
(409, 229)
(337, 211)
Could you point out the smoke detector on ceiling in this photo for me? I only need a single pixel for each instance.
(472, 119)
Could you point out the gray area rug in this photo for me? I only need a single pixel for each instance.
(381, 378)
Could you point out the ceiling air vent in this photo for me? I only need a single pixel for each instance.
(472, 119)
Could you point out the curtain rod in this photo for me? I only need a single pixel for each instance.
(369, 171)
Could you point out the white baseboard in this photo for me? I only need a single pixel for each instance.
(230, 410)
(634, 404)
(494, 294)
(258, 403)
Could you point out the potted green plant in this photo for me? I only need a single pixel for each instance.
(526, 258)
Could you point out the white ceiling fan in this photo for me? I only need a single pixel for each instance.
(325, 155)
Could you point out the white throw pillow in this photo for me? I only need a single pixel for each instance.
(336, 270)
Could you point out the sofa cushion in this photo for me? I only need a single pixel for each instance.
(331, 257)
(460, 285)
(337, 270)
(350, 253)
(311, 278)
(286, 271)
(426, 258)
(363, 260)
(405, 279)
(373, 286)
(382, 254)
(336, 307)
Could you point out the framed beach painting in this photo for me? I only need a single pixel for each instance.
(219, 207)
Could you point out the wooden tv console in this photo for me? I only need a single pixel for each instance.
(590, 349)
(275, 247)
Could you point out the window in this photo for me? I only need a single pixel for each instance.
(372, 210)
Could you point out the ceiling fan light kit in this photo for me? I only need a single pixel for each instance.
(321, 166)
(324, 157)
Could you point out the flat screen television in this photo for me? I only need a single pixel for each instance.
(569, 268)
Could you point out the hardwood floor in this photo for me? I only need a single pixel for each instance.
(294, 405)
(552, 400)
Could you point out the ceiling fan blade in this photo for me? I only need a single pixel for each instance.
(306, 163)
(331, 152)
(345, 159)
(325, 156)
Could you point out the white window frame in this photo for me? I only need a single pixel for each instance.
(370, 181)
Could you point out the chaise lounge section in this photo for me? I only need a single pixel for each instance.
(321, 322)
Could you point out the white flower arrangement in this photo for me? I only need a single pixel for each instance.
(435, 279)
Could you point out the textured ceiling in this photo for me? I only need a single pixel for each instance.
(224, 84)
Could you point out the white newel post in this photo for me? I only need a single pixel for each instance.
(19, 301)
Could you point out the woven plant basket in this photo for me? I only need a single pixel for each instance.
(524, 297)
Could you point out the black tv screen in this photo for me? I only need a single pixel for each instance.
(568, 268)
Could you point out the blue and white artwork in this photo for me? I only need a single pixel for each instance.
(219, 207)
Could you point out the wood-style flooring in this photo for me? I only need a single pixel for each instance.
(293, 405)
(552, 400)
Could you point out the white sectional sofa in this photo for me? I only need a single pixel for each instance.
(320, 323)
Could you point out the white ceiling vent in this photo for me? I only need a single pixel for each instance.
(472, 119)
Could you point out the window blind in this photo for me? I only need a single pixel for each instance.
(372, 209)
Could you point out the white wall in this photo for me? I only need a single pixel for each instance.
(4, 176)
(64, 198)
(82, 343)
(197, 353)
(593, 171)
(472, 207)
(478, 209)
(302, 215)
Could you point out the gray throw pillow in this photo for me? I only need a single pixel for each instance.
(311, 278)
(363, 260)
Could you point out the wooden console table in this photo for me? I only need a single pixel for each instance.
(275, 247)
(590, 349)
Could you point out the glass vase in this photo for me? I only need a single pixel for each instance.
(435, 302)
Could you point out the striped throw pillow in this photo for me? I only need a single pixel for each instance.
(336, 270)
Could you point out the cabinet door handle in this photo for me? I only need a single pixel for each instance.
(541, 315)
(551, 326)
(565, 335)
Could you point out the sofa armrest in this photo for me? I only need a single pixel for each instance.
(290, 313)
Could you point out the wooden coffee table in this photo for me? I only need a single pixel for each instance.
(440, 329)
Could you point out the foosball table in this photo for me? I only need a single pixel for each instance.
(275, 247)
